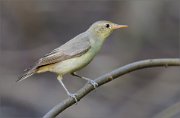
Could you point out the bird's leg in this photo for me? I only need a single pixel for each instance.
(68, 93)
(95, 84)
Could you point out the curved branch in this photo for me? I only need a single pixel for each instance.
(109, 77)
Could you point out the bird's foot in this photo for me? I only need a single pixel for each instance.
(95, 84)
(73, 96)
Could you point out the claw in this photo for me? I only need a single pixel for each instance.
(73, 96)
(95, 84)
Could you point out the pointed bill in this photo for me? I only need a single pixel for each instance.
(116, 26)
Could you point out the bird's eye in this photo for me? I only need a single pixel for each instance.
(107, 26)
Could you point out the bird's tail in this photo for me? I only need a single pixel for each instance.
(29, 72)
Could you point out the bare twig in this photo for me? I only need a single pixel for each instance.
(109, 77)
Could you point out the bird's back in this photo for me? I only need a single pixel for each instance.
(73, 48)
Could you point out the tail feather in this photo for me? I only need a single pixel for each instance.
(29, 73)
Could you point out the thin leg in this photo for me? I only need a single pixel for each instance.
(68, 93)
(89, 80)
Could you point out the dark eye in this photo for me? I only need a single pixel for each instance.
(107, 25)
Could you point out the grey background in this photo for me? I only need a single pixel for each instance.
(31, 28)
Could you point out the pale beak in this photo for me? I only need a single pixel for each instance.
(119, 26)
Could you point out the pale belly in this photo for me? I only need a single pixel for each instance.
(72, 65)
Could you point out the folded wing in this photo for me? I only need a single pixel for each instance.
(73, 48)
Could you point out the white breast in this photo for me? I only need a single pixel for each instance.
(72, 65)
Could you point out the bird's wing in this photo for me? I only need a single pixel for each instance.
(73, 48)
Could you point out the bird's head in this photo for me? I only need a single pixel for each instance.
(102, 29)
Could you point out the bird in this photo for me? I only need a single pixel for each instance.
(74, 54)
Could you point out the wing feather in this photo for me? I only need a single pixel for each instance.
(70, 49)
(73, 48)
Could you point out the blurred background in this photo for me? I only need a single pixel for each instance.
(31, 28)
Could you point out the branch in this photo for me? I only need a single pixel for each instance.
(109, 77)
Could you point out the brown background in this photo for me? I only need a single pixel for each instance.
(31, 28)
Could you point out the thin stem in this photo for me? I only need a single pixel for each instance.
(109, 77)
